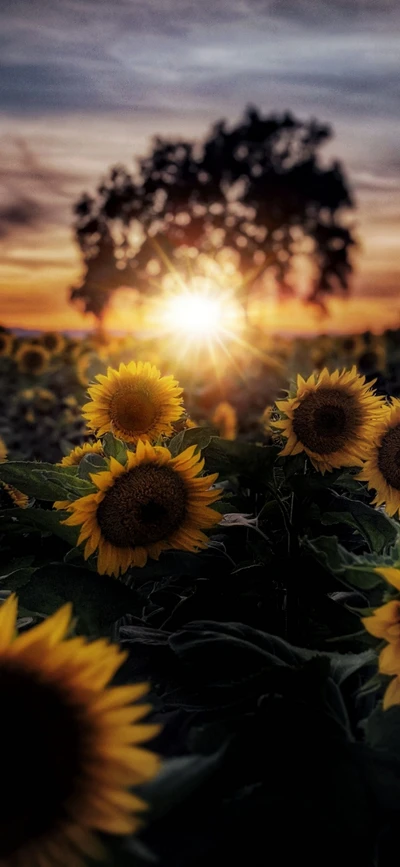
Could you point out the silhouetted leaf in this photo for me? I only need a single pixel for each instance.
(352, 570)
(114, 448)
(197, 436)
(39, 520)
(44, 481)
(98, 601)
(375, 526)
(91, 464)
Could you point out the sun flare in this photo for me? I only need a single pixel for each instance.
(194, 314)
(200, 315)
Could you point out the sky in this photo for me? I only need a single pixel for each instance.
(85, 84)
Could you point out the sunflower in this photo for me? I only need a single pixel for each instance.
(81, 367)
(73, 459)
(75, 456)
(266, 420)
(189, 424)
(3, 450)
(373, 359)
(53, 341)
(382, 470)
(225, 420)
(389, 664)
(332, 418)
(153, 503)
(134, 402)
(390, 574)
(6, 343)
(70, 401)
(32, 358)
(352, 346)
(12, 497)
(44, 399)
(385, 621)
(62, 725)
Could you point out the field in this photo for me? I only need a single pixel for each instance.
(228, 518)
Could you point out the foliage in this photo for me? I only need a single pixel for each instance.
(262, 675)
(258, 190)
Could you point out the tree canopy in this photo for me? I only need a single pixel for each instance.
(258, 189)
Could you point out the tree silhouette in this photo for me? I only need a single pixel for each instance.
(258, 189)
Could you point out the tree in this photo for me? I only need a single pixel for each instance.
(258, 189)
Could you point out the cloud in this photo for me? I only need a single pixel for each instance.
(33, 194)
(112, 54)
(85, 83)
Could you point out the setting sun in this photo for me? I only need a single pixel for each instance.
(195, 314)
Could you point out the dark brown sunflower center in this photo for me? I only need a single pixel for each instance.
(32, 359)
(144, 506)
(389, 457)
(43, 751)
(50, 341)
(326, 419)
(132, 410)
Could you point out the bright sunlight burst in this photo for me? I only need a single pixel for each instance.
(195, 314)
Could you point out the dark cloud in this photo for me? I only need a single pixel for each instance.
(33, 194)
(19, 214)
(190, 61)
(109, 54)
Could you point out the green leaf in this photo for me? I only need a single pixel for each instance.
(350, 569)
(39, 520)
(114, 448)
(196, 436)
(16, 579)
(375, 526)
(234, 458)
(71, 487)
(383, 730)
(178, 779)
(91, 464)
(344, 665)
(14, 564)
(44, 481)
(381, 759)
(98, 601)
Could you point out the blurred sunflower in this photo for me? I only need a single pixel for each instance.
(3, 450)
(81, 366)
(53, 341)
(70, 401)
(26, 395)
(266, 420)
(332, 418)
(67, 728)
(224, 418)
(374, 357)
(44, 399)
(10, 496)
(153, 503)
(381, 470)
(351, 346)
(6, 343)
(31, 358)
(134, 401)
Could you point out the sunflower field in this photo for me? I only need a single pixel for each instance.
(200, 602)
